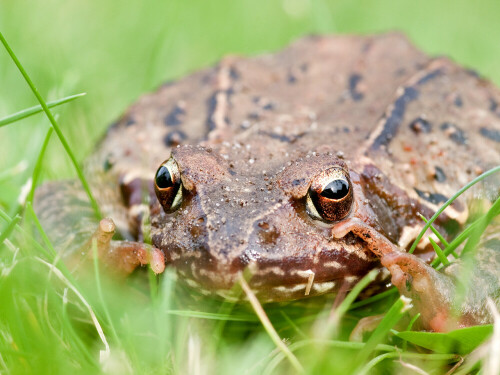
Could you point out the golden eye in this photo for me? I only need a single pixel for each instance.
(168, 185)
(330, 195)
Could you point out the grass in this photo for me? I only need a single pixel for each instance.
(51, 322)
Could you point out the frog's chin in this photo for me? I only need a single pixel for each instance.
(278, 293)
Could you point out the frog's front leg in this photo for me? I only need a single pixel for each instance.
(434, 293)
(122, 256)
(69, 221)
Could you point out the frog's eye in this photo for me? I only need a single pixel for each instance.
(168, 185)
(330, 195)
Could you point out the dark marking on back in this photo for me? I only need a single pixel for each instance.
(434, 198)
(234, 74)
(421, 125)
(108, 163)
(174, 138)
(492, 134)
(429, 77)
(354, 79)
(395, 118)
(173, 118)
(439, 174)
(454, 133)
(494, 107)
(269, 106)
(473, 73)
(212, 105)
(283, 138)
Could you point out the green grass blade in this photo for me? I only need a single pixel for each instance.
(268, 326)
(387, 293)
(38, 166)
(52, 120)
(435, 231)
(37, 109)
(10, 227)
(439, 252)
(394, 314)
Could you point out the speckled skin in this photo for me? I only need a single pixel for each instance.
(250, 135)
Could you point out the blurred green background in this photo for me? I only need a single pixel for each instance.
(115, 51)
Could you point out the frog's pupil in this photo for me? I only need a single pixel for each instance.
(336, 189)
(163, 178)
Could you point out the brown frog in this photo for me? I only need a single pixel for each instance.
(306, 167)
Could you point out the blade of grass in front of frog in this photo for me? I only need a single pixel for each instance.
(100, 294)
(74, 337)
(26, 235)
(450, 201)
(15, 170)
(32, 181)
(440, 237)
(292, 324)
(385, 294)
(367, 369)
(336, 314)
(9, 228)
(224, 310)
(213, 316)
(52, 120)
(330, 328)
(393, 316)
(93, 316)
(51, 254)
(408, 328)
(37, 109)
(439, 252)
(350, 345)
(434, 230)
(268, 325)
(38, 166)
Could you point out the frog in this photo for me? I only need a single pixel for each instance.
(301, 169)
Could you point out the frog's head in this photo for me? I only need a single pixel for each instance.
(216, 218)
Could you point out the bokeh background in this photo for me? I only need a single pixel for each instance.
(115, 50)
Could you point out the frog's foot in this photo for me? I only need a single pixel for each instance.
(376, 242)
(123, 256)
(431, 292)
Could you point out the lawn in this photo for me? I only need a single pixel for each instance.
(114, 52)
